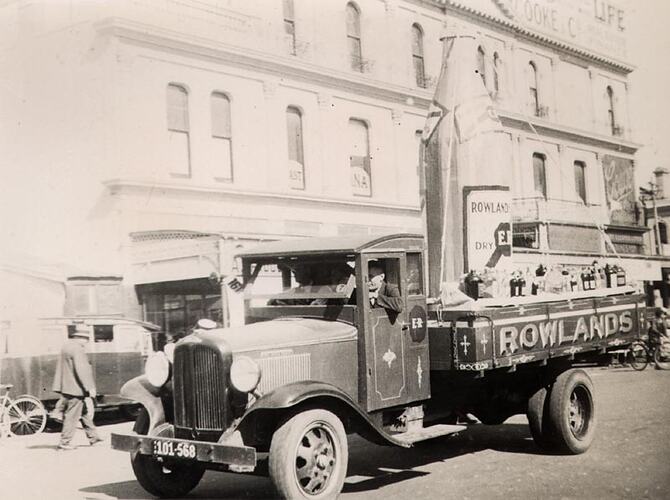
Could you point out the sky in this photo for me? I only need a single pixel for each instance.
(648, 26)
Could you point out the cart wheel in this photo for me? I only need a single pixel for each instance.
(638, 356)
(27, 415)
(662, 357)
(572, 412)
(309, 455)
(160, 477)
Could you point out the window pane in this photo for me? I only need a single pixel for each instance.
(414, 274)
(580, 180)
(295, 148)
(177, 108)
(539, 175)
(359, 159)
(222, 159)
(417, 41)
(353, 21)
(288, 10)
(481, 64)
(103, 333)
(497, 68)
(419, 72)
(220, 116)
(178, 153)
(355, 56)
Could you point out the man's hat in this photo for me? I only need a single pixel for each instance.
(82, 331)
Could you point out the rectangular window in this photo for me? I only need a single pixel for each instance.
(580, 180)
(414, 274)
(539, 175)
(296, 161)
(103, 333)
(359, 158)
(222, 151)
(178, 154)
(289, 26)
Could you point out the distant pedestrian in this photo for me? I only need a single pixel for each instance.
(75, 382)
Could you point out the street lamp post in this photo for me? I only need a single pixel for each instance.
(650, 194)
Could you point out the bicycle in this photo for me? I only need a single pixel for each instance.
(641, 353)
(22, 416)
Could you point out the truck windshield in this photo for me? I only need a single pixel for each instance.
(284, 282)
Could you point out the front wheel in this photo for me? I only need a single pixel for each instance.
(572, 412)
(662, 357)
(163, 477)
(309, 455)
(26, 415)
(638, 356)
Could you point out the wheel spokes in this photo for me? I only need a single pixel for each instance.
(315, 460)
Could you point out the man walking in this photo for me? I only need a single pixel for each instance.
(74, 381)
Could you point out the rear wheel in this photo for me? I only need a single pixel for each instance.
(638, 356)
(163, 477)
(309, 455)
(538, 419)
(26, 415)
(662, 356)
(572, 413)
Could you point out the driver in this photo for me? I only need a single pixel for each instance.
(381, 293)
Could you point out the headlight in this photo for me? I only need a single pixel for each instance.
(245, 374)
(157, 369)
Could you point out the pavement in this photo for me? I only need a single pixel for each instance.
(630, 458)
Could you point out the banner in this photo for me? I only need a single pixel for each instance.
(488, 227)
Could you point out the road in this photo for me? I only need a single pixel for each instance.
(629, 459)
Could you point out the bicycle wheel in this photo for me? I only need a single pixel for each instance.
(27, 415)
(638, 356)
(662, 357)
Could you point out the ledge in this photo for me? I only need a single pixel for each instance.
(117, 186)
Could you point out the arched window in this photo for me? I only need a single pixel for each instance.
(534, 102)
(296, 160)
(497, 68)
(354, 37)
(178, 155)
(359, 158)
(481, 63)
(417, 56)
(610, 111)
(289, 25)
(222, 137)
(540, 175)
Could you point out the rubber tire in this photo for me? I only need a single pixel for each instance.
(150, 472)
(39, 410)
(538, 419)
(634, 363)
(282, 460)
(564, 440)
(661, 362)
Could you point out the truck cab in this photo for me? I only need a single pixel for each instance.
(339, 339)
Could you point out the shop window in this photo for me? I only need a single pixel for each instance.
(525, 236)
(534, 99)
(296, 158)
(359, 158)
(414, 278)
(222, 150)
(354, 37)
(289, 26)
(540, 175)
(580, 180)
(417, 56)
(178, 155)
(481, 63)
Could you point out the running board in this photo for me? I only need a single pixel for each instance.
(425, 433)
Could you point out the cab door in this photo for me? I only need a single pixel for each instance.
(382, 381)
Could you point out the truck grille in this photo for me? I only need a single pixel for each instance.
(200, 393)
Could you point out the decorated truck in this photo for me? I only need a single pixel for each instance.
(323, 354)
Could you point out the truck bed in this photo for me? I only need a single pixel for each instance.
(532, 329)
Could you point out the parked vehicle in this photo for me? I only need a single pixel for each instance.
(318, 359)
(118, 351)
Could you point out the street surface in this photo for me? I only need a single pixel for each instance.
(630, 458)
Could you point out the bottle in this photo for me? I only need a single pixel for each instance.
(574, 284)
(620, 276)
(586, 281)
(610, 276)
(565, 281)
(472, 285)
(514, 286)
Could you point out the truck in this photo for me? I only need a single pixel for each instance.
(322, 356)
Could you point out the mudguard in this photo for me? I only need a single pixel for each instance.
(140, 390)
(293, 394)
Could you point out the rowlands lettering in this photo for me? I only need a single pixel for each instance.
(553, 333)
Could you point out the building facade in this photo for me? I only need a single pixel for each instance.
(151, 139)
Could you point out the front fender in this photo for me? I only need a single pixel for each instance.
(291, 395)
(140, 390)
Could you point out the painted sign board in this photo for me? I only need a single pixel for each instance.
(488, 227)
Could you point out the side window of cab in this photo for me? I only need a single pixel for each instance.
(414, 278)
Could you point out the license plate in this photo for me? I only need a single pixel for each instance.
(176, 449)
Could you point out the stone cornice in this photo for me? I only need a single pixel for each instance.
(250, 59)
(121, 186)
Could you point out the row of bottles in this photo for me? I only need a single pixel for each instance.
(555, 279)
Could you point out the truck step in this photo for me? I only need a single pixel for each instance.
(425, 433)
